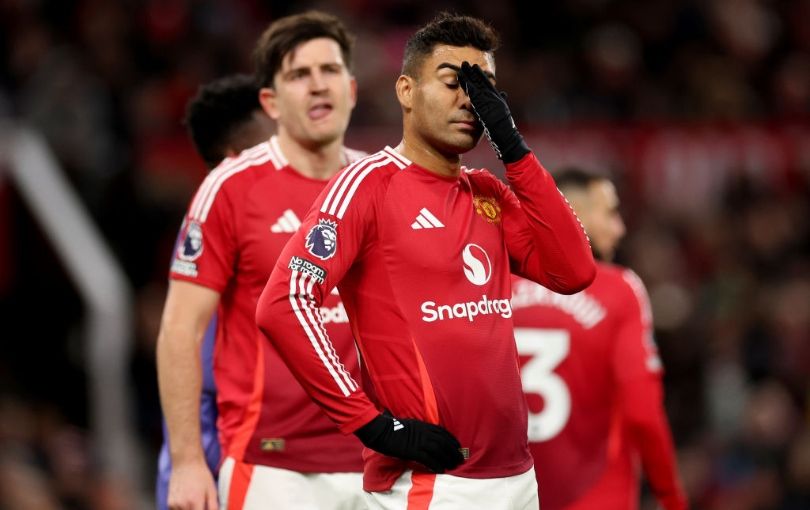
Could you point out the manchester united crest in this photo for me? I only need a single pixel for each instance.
(488, 208)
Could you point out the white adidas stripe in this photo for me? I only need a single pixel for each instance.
(210, 187)
(202, 215)
(280, 161)
(228, 164)
(337, 184)
(308, 326)
(397, 157)
(355, 185)
(314, 315)
(420, 223)
(288, 222)
(432, 219)
(336, 193)
(293, 219)
(282, 225)
(344, 188)
(426, 219)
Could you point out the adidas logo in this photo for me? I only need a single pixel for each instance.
(398, 425)
(287, 223)
(425, 219)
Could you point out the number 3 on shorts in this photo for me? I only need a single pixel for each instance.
(546, 349)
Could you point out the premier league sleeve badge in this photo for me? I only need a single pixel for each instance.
(191, 246)
(321, 239)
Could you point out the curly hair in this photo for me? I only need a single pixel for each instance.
(217, 111)
(451, 30)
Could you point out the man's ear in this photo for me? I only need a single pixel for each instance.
(405, 90)
(353, 91)
(267, 98)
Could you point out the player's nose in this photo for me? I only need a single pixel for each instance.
(463, 99)
(317, 81)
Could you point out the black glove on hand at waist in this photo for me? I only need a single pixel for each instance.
(415, 440)
(493, 113)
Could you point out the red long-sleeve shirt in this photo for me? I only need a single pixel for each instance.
(239, 221)
(422, 263)
(593, 381)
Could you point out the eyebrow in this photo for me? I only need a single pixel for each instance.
(447, 65)
(307, 69)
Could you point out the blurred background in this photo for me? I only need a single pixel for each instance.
(700, 110)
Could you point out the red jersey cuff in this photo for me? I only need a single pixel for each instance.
(357, 422)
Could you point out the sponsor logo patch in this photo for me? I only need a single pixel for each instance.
(477, 267)
(432, 311)
(308, 268)
(192, 246)
(488, 208)
(322, 239)
(336, 315)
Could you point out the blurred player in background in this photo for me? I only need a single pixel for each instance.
(223, 118)
(280, 450)
(421, 249)
(592, 375)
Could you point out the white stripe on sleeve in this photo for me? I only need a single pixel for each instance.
(294, 277)
(314, 315)
(355, 185)
(202, 205)
(349, 175)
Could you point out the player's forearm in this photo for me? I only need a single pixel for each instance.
(648, 428)
(562, 252)
(180, 382)
(288, 319)
(658, 459)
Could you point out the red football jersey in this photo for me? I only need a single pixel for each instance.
(238, 222)
(423, 262)
(590, 369)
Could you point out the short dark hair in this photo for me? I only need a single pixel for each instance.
(217, 111)
(574, 178)
(451, 30)
(283, 35)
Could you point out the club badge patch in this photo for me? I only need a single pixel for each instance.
(192, 245)
(488, 208)
(322, 239)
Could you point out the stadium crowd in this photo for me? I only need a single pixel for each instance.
(106, 83)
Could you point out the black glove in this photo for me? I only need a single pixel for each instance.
(415, 440)
(493, 113)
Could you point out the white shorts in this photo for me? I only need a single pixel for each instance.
(245, 486)
(447, 492)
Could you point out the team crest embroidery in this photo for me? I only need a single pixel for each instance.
(488, 208)
(192, 246)
(322, 239)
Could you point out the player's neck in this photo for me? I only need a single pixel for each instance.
(320, 162)
(422, 154)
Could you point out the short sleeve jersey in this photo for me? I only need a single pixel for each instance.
(423, 264)
(574, 352)
(238, 222)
